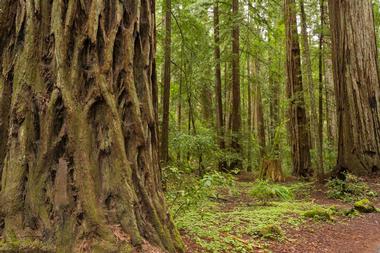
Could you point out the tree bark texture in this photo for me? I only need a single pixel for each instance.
(78, 146)
(236, 108)
(164, 154)
(218, 84)
(356, 84)
(298, 125)
(259, 112)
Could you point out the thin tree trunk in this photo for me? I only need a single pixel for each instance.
(235, 112)
(274, 115)
(309, 82)
(320, 106)
(298, 126)
(218, 84)
(249, 114)
(164, 154)
(259, 112)
(179, 109)
(357, 85)
(80, 169)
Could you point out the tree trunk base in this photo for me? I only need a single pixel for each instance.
(272, 170)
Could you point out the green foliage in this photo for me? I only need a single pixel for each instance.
(349, 190)
(195, 192)
(265, 191)
(239, 227)
(202, 143)
(365, 206)
(320, 214)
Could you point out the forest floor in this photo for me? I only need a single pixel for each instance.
(235, 222)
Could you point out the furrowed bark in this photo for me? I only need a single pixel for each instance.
(80, 171)
(298, 126)
(357, 85)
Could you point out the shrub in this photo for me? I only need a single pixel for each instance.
(349, 190)
(265, 191)
(365, 206)
(195, 192)
(319, 213)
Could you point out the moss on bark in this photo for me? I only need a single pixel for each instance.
(80, 167)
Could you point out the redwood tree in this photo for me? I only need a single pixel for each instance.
(357, 85)
(166, 88)
(235, 110)
(79, 149)
(298, 125)
(218, 84)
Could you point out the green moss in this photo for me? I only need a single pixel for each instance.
(364, 206)
(271, 232)
(320, 213)
(25, 245)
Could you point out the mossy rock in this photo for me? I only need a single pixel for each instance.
(365, 206)
(318, 213)
(352, 212)
(271, 232)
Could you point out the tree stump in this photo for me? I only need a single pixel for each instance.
(272, 170)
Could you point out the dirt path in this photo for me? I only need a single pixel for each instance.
(357, 235)
(346, 235)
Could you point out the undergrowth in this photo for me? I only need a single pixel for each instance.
(245, 226)
(349, 190)
(265, 191)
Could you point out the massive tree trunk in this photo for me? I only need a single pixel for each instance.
(357, 85)
(164, 154)
(235, 111)
(298, 126)
(331, 112)
(79, 160)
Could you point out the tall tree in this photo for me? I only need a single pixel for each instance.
(218, 83)
(164, 154)
(320, 171)
(357, 85)
(235, 111)
(80, 166)
(298, 125)
(315, 137)
(259, 111)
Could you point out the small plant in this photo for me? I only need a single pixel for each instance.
(196, 192)
(349, 190)
(365, 206)
(320, 214)
(265, 191)
(271, 232)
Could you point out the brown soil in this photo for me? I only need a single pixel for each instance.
(346, 235)
(357, 235)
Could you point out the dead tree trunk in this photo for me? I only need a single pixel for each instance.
(79, 147)
(298, 126)
(357, 85)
